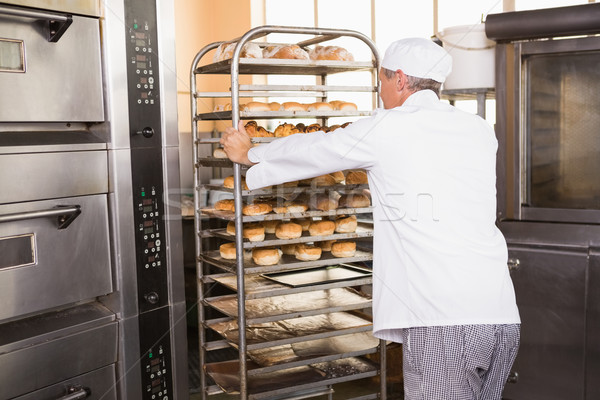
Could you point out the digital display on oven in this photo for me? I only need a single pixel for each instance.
(12, 55)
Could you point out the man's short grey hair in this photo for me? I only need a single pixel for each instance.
(415, 83)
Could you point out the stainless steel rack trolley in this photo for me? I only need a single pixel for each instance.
(297, 334)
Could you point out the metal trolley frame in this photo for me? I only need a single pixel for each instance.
(244, 288)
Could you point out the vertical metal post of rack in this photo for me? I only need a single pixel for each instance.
(197, 227)
(239, 228)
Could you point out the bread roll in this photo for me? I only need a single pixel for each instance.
(346, 224)
(325, 245)
(347, 106)
(338, 176)
(323, 180)
(274, 106)
(266, 255)
(229, 183)
(332, 128)
(288, 230)
(356, 177)
(227, 251)
(284, 130)
(305, 252)
(270, 226)
(225, 51)
(355, 200)
(323, 202)
(313, 128)
(257, 209)
(293, 106)
(289, 249)
(231, 228)
(304, 223)
(345, 124)
(295, 207)
(255, 106)
(292, 51)
(333, 53)
(225, 205)
(219, 152)
(254, 232)
(343, 249)
(319, 106)
(321, 228)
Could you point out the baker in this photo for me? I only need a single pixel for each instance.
(441, 285)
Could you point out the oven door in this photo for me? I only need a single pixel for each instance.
(54, 252)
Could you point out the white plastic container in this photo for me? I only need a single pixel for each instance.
(472, 57)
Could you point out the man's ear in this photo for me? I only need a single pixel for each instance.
(400, 80)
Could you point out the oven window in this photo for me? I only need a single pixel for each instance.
(12, 56)
(563, 131)
(17, 251)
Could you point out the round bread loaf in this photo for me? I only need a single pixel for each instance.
(346, 224)
(293, 106)
(254, 232)
(319, 106)
(295, 207)
(325, 245)
(343, 249)
(304, 223)
(321, 228)
(289, 249)
(305, 252)
(292, 51)
(354, 200)
(219, 152)
(323, 180)
(257, 209)
(255, 106)
(333, 53)
(274, 106)
(225, 205)
(288, 230)
(271, 225)
(347, 106)
(356, 177)
(231, 228)
(227, 251)
(228, 183)
(266, 255)
(323, 202)
(338, 176)
(225, 51)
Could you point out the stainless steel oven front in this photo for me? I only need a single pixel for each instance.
(91, 270)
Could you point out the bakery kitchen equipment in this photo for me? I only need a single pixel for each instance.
(91, 275)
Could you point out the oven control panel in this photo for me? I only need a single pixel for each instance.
(148, 192)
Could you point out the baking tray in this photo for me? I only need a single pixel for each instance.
(280, 190)
(294, 330)
(226, 375)
(230, 215)
(286, 262)
(318, 275)
(363, 230)
(227, 115)
(293, 305)
(256, 286)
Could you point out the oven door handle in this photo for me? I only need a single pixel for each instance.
(64, 214)
(57, 23)
(76, 393)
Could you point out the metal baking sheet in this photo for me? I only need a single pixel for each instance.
(269, 334)
(280, 190)
(296, 352)
(284, 66)
(363, 230)
(318, 275)
(230, 216)
(293, 304)
(226, 375)
(227, 115)
(257, 286)
(287, 262)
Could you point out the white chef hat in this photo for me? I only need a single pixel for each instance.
(418, 57)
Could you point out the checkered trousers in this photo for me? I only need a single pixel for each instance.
(463, 362)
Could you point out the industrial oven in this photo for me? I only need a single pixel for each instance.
(548, 119)
(92, 298)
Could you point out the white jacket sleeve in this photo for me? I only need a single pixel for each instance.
(303, 156)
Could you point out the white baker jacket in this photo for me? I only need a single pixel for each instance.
(438, 257)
